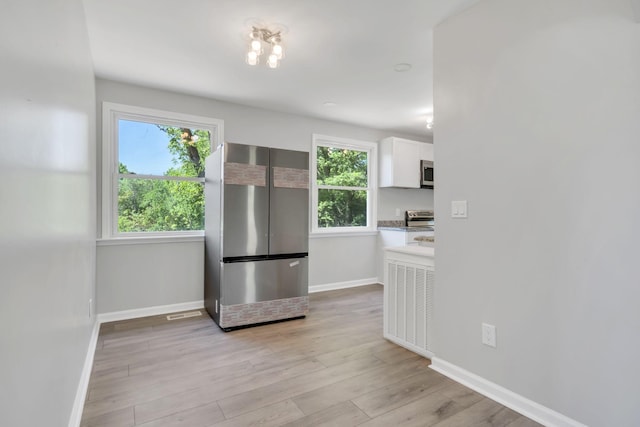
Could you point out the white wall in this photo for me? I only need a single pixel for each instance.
(133, 276)
(47, 209)
(390, 199)
(336, 260)
(354, 261)
(538, 124)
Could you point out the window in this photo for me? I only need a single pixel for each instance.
(153, 171)
(343, 193)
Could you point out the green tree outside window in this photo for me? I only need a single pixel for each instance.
(342, 187)
(155, 204)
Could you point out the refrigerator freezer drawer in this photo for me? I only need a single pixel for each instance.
(264, 280)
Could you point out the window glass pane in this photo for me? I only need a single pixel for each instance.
(151, 149)
(342, 208)
(160, 205)
(341, 167)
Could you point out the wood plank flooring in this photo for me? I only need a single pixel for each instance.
(331, 369)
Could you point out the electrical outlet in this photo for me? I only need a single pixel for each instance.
(398, 214)
(90, 307)
(489, 335)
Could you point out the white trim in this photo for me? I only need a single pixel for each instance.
(518, 403)
(111, 113)
(149, 311)
(339, 187)
(161, 177)
(343, 285)
(371, 148)
(146, 240)
(336, 233)
(83, 384)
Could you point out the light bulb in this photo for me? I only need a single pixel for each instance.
(252, 57)
(277, 51)
(272, 62)
(256, 45)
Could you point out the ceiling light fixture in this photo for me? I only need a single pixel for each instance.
(262, 38)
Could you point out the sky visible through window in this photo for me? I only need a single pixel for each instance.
(143, 148)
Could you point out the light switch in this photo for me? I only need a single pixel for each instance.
(459, 209)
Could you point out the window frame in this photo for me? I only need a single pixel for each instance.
(371, 148)
(111, 114)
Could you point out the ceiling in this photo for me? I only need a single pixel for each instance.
(336, 51)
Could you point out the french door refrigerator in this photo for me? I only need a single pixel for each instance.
(256, 235)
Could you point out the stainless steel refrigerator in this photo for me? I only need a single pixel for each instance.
(256, 235)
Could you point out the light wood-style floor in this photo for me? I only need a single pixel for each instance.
(332, 369)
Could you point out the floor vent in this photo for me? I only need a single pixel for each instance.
(183, 315)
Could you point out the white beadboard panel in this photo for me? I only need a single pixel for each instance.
(409, 279)
(133, 277)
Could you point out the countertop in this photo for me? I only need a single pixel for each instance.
(413, 250)
(407, 229)
(425, 239)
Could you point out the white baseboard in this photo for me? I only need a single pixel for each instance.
(343, 285)
(149, 311)
(83, 384)
(518, 403)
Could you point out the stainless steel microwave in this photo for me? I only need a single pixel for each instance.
(426, 174)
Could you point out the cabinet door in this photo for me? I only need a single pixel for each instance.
(399, 163)
(406, 163)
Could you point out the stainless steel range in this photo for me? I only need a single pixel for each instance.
(419, 218)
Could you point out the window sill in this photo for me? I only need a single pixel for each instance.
(343, 234)
(139, 240)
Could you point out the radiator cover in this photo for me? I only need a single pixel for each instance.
(408, 303)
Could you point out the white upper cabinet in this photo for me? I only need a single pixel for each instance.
(400, 162)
